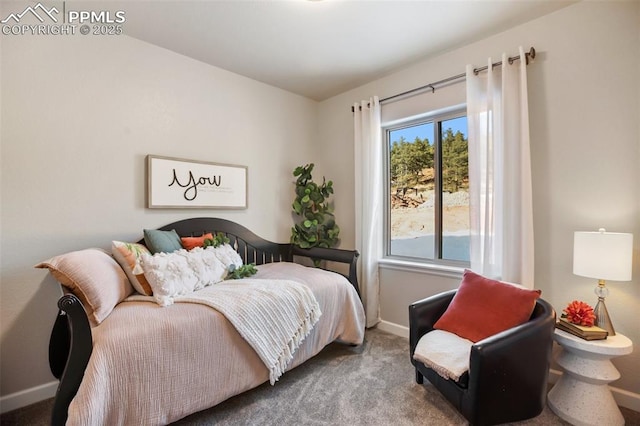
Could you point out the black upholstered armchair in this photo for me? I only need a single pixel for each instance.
(507, 377)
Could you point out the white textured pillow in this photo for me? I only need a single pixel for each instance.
(227, 255)
(446, 353)
(206, 266)
(181, 272)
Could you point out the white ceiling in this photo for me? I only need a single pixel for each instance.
(320, 48)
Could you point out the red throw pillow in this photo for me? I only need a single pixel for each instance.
(483, 307)
(193, 242)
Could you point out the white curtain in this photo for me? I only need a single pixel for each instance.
(500, 172)
(368, 199)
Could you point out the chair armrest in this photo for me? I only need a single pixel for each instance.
(524, 350)
(424, 313)
(350, 257)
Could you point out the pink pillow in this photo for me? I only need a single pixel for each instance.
(483, 307)
(94, 277)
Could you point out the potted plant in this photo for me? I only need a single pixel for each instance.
(315, 225)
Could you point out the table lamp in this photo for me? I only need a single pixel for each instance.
(605, 256)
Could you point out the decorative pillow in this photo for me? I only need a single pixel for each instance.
(128, 256)
(94, 277)
(181, 272)
(483, 307)
(227, 255)
(162, 241)
(192, 242)
(446, 353)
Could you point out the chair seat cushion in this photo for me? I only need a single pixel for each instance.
(446, 353)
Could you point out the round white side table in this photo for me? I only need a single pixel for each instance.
(582, 396)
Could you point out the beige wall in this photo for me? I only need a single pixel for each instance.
(585, 139)
(79, 115)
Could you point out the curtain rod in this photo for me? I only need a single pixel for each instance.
(531, 54)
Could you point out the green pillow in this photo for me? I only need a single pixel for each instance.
(162, 241)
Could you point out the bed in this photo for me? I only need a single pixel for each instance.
(149, 364)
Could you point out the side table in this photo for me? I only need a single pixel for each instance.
(582, 396)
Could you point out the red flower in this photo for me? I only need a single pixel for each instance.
(580, 313)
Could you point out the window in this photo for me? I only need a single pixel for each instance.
(428, 180)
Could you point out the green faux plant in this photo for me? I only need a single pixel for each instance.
(315, 225)
(234, 273)
(242, 271)
(218, 240)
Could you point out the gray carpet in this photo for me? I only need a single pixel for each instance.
(368, 385)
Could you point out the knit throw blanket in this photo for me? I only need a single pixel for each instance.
(273, 316)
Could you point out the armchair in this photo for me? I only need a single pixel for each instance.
(507, 377)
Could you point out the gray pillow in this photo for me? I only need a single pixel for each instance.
(162, 241)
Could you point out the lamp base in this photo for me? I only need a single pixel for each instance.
(602, 317)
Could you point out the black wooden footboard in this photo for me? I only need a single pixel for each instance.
(70, 345)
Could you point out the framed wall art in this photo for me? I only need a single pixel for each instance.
(179, 183)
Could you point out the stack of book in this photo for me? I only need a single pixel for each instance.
(587, 333)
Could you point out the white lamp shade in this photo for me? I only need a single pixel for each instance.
(603, 255)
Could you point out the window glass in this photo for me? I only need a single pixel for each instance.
(428, 181)
(455, 189)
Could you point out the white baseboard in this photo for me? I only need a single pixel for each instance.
(28, 396)
(389, 327)
(623, 397)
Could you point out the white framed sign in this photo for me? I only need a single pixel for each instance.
(179, 183)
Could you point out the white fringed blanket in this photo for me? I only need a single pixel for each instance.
(445, 353)
(273, 316)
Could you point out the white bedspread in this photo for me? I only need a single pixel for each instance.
(154, 365)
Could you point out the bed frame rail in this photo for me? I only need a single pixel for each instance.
(252, 248)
